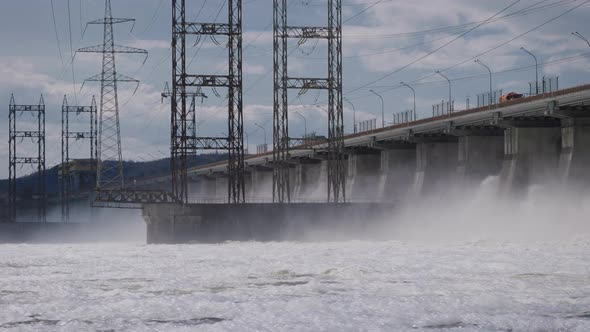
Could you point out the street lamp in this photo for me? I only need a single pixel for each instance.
(450, 90)
(353, 115)
(488, 68)
(414, 92)
(577, 34)
(382, 108)
(247, 141)
(536, 69)
(304, 123)
(264, 130)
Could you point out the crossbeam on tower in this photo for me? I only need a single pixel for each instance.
(282, 32)
(182, 140)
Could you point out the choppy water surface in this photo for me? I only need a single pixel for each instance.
(344, 286)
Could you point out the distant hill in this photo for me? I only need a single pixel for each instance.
(133, 170)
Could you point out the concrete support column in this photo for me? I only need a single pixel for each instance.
(436, 165)
(261, 189)
(296, 175)
(314, 179)
(479, 157)
(397, 173)
(203, 188)
(531, 156)
(574, 161)
(221, 184)
(363, 177)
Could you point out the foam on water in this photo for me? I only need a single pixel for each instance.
(338, 286)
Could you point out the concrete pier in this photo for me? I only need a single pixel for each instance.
(397, 171)
(436, 165)
(261, 183)
(221, 187)
(479, 157)
(212, 223)
(531, 156)
(362, 183)
(574, 160)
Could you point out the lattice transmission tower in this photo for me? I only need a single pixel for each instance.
(16, 136)
(184, 84)
(110, 160)
(282, 32)
(90, 114)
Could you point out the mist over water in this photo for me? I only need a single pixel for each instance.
(465, 259)
(543, 212)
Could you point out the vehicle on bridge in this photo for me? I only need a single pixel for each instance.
(510, 96)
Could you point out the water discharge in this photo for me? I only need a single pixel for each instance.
(462, 261)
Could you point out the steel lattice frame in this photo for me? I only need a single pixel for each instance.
(181, 141)
(110, 159)
(191, 126)
(14, 159)
(333, 84)
(66, 136)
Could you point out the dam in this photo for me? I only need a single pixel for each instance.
(540, 139)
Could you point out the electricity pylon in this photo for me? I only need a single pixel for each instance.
(110, 159)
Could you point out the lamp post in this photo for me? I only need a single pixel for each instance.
(577, 34)
(450, 90)
(353, 115)
(263, 130)
(247, 141)
(382, 108)
(304, 123)
(489, 70)
(536, 69)
(414, 92)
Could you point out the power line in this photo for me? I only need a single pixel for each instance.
(362, 11)
(57, 35)
(474, 77)
(435, 50)
(510, 40)
(521, 12)
(72, 52)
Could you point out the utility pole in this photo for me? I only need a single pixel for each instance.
(16, 135)
(333, 83)
(110, 178)
(263, 131)
(536, 69)
(450, 90)
(353, 115)
(304, 125)
(579, 35)
(382, 108)
(490, 71)
(414, 93)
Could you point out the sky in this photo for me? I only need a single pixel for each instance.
(385, 42)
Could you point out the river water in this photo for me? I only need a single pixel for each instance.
(485, 285)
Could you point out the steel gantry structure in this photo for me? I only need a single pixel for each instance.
(282, 32)
(67, 134)
(16, 136)
(191, 115)
(182, 139)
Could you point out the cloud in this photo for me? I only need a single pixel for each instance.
(152, 44)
